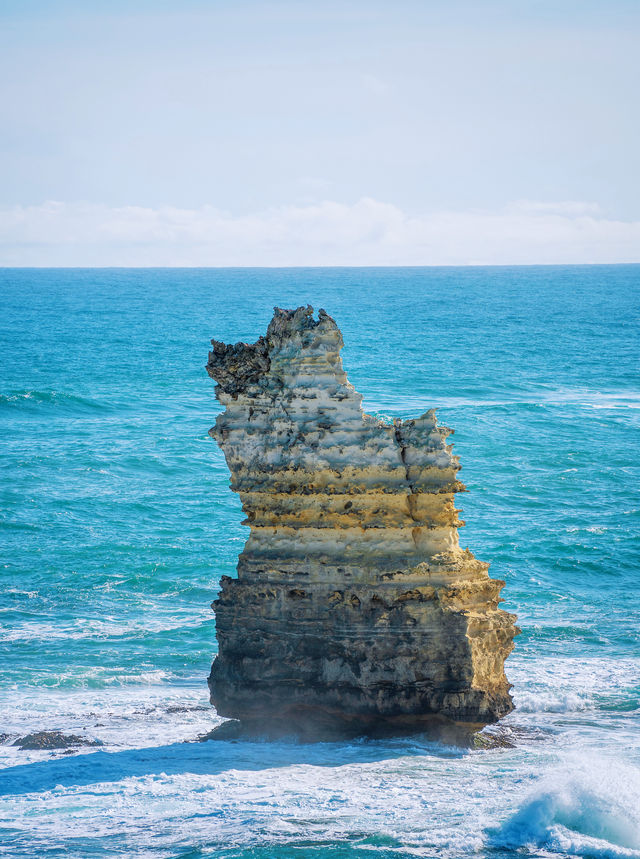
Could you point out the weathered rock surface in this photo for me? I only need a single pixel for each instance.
(354, 603)
(53, 740)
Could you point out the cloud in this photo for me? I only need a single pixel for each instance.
(563, 207)
(375, 85)
(367, 232)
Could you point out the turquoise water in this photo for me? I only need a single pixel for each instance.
(117, 523)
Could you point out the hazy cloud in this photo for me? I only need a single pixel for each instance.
(375, 84)
(368, 232)
(563, 207)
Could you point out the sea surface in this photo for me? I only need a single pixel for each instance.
(116, 524)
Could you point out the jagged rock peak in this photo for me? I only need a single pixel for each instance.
(354, 602)
(236, 367)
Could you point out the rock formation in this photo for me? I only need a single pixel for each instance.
(354, 603)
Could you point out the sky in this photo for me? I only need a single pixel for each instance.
(360, 132)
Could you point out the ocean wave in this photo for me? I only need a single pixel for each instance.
(410, 406)
(585, 809)
(550, 702)
(572, 684)
(98, 677)
(33, 399)
(95, 630)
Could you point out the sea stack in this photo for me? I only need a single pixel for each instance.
(354, 605)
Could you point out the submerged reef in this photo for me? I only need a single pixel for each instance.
(354, 604)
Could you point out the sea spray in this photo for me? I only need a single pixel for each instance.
(587, 805)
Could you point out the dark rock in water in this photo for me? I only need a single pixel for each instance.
(232, 729)
(355, 610)
(177, 708)
(48, 740)
(510, 736)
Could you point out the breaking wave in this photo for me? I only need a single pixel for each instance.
(585, 809)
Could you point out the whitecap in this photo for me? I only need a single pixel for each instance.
(570, 684)
(586, 807)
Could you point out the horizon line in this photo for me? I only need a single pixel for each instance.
(321, 267)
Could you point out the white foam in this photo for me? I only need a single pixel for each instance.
(556, 684)
(152, 794)
(580, 397)
(587, 806)
(94, 628)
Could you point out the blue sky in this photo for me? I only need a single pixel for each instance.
(291, 132)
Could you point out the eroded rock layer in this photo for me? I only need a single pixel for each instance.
(354, 601)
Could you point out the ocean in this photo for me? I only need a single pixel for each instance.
(116, 524)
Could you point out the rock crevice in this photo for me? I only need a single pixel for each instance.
(354, 601)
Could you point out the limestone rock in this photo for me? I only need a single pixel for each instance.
(354, 603)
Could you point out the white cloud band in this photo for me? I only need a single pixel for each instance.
(328, 233)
